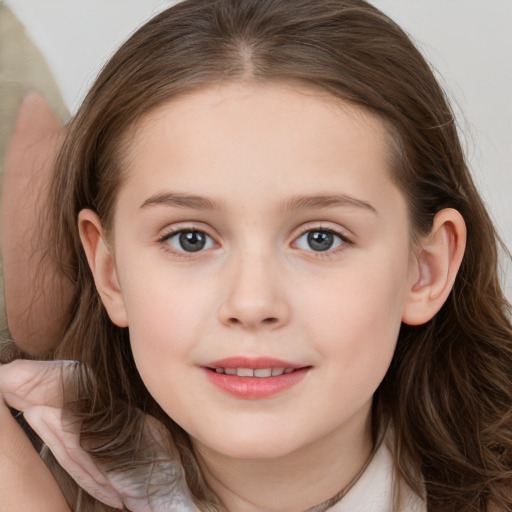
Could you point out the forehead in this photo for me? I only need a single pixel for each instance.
(263, 103)
(250, 139)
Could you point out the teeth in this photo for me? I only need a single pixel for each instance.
(260, 372)
(263, 372)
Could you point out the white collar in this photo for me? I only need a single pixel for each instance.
(373, 492)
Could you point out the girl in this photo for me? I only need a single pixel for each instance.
(274, 290)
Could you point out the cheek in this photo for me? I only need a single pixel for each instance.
(164, 311)
(368, 295)
(358, 316)
(166, 325)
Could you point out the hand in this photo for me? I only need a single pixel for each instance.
(155, 483)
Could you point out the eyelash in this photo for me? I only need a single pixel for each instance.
(163, 241)
(329, 253)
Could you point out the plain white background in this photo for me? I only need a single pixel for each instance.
(469, 43)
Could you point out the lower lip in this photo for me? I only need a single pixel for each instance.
(255, 388)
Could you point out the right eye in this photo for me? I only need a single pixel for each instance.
(189, 240)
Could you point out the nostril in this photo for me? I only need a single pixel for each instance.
(264, 321)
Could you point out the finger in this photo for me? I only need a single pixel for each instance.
(62, 436)
(26, 383)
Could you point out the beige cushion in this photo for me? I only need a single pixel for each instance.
(22, 69)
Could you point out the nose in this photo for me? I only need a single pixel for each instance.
(254, 295)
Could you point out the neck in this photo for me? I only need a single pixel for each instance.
(299, 480)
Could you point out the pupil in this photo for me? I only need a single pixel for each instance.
(320, 240)
(192, 241)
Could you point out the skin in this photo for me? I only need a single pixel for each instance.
(258, 289)
(25, 481)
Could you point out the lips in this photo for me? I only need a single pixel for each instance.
(254, 379)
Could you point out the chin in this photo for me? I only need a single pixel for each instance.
(255, 447)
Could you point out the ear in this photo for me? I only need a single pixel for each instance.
(101, 262)
(435, 267)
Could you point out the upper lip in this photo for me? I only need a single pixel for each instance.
(254, 363)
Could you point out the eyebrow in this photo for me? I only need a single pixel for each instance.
(182, 201)
(312, 201)
(320, 201)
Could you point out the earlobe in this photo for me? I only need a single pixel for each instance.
(435, 267)
(101, 263)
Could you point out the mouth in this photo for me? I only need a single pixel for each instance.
(250, 372)
(254, 379)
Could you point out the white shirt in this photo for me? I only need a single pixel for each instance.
(373, 492)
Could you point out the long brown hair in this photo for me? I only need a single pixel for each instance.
(448, 392)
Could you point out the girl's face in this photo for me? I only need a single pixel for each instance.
(263, 260)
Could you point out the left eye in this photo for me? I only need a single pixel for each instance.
(190, 241)
(319, 240)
